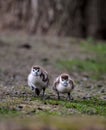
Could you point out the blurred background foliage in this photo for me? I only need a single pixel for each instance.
(78, 18)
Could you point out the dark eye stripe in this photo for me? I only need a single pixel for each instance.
(36, 68)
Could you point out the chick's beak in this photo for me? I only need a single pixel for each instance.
(36, 73)
(65, 83)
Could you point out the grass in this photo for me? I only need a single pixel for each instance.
(95, 66)
(55, 108)
(89, 107)
(93, 46)
(9, 107)
(6, 112)
(89, 65)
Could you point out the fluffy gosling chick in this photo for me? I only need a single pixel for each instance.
(38, 79)
(64, 84)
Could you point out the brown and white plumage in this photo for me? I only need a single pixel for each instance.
(38, 79)
(63, 84)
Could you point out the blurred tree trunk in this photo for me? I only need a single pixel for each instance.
(79, 18)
